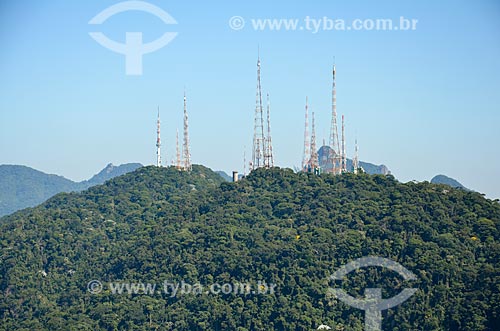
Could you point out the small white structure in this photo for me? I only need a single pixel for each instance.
(324, 327)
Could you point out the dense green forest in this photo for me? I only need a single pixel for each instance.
(290, 229)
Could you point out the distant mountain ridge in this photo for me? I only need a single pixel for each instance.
(442, 179)
(22, 187)
(224, 175)
(369, 168)
(109, 172)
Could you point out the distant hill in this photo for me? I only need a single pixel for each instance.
(62, 262)
(109, 172)
(442, 179)
(224, 175)
(22, 187)
(369, 168)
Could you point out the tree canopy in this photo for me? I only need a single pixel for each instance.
(290, 229)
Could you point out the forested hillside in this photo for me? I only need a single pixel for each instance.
(292, 230)
(22, 187)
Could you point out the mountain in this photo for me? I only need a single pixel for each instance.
(78, 260)
(22, 187)
(224, 175)
(442, 179)
(110, 171)
(369, 168)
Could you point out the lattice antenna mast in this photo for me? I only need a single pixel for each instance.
(269, 159)
(158, 140)
(343, 154)
(185, 147)
(177, 151)
(314, 162)
(307, 151)
(355, 161)
(334, 136)
(258, 135)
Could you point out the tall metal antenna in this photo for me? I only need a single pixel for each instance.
(258, 135)
(268, 156)
(185, 147)
(307, 151)
(177, 151)
(355, 161)
(314, 162)
(334, 136)
(343, 154)
(158, 140)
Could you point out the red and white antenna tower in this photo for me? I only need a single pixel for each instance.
(334, 159)
(343, 154)
(268, 156)
(185, 147)
(258, 134)
(158, 140)
(307, 151)
(314, 162)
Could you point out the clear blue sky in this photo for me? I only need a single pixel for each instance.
(422, 102)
